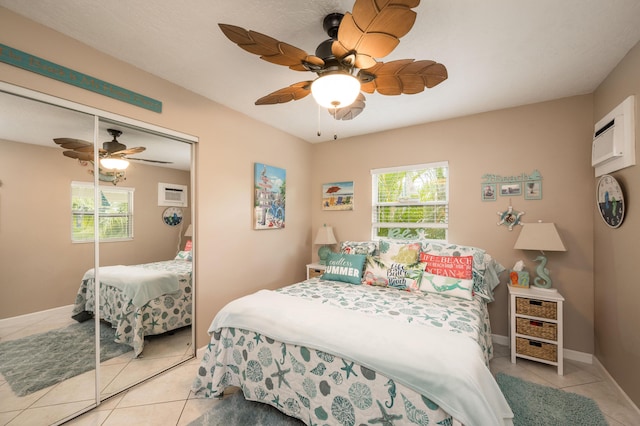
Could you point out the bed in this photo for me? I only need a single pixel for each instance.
(370, 346)
(140, 300)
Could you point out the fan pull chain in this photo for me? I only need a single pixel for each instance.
(319, 133)
(335, 130)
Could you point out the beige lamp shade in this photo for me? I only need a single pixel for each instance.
(325, 236)
(189, 231)
(539, 236)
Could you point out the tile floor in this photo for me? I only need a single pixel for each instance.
(166, 399)
(56, 402)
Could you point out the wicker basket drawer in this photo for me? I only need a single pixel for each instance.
(533, 328)
(315, 272)
(536, 308)
(536, 349)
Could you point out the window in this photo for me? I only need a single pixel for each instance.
(411, 202)
(115, 213)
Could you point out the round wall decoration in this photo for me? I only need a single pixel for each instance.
(610, 201)
(172, 216)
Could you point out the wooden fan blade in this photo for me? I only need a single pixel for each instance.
(148, 160)
(128, 151)
(270, 49)
(68, 143)
(291, 93)
(350, 112)
(374, 29)
(84, 156)
(404, 76)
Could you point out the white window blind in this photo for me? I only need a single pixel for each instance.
(411, 202)
(115, 213)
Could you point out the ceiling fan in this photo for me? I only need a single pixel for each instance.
(346, 63)
(113, 154)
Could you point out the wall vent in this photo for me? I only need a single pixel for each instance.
(171, 194)
(614, 144)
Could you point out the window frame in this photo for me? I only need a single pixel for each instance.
(375, 225)
(102, 188)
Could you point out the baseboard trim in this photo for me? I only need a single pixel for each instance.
(568, 353)
(33, 315)
(598, 364)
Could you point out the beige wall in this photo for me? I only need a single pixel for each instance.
(616, 253)
(231, 258)
(552, 137)
(37, 257)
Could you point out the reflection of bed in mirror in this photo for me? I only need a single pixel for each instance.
(140, 300)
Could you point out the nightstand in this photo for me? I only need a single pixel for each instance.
(315, 270)
(535, 326)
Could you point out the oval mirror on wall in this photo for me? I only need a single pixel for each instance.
(50, 211)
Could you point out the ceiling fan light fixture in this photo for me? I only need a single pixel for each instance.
(337, 90)
(114, 163)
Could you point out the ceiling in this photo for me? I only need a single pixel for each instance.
(38, 123)
(499, 53)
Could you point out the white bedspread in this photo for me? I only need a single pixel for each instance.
(139, 284)
(445, 367)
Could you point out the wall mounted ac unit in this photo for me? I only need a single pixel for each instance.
(171, 194)
(614, 142)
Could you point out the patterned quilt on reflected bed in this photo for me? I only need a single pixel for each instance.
(139, 300)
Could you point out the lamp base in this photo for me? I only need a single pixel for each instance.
(323, 254)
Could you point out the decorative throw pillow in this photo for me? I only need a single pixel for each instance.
(451, 286)
(184, 255)
(483, 284)
(344, 267)
(405, 253)
(452, 275)
(397, 266)
(449, 266)
(396, 275)
(368, 248)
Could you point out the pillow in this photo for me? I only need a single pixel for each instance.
(184, 255)
(449, 266)
(344, 267)
(405, 253)
(451, 286)
(397, 266)
(482, 262)
(368, 248)
(396, 275)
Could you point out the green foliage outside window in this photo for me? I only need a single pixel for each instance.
(115, 213)
(412, 203)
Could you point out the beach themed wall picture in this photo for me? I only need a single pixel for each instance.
(269, 197)
(337, 196)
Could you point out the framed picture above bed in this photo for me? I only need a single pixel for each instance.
(269, 197)
(337, 196)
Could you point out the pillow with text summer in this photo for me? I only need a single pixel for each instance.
(452, 275)
(344, 267)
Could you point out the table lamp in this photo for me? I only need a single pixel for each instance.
(324, 237)
(543, 237)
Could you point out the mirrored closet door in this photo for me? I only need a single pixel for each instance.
(69, 225)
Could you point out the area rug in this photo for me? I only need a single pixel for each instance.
(41, 360)
(234, 410)
(532, 405)
(537, 405)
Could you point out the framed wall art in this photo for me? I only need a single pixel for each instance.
(533, 190)
(489, 192)
(511, 189)
(270, 185)
(337, 196)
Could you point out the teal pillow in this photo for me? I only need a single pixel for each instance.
(344, 267)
